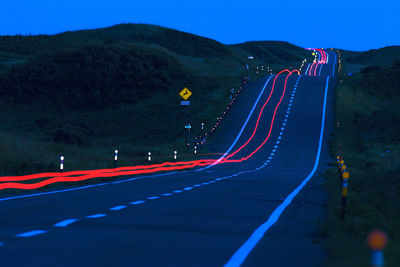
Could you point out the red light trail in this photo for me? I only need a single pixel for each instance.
(54, 177)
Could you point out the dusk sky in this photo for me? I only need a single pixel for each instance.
(347, 24)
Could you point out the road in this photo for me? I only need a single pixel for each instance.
(259, 212)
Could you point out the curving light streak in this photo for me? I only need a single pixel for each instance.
(259, 115)
(10, 181)
(273, 118)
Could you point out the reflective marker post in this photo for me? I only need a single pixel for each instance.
(115, 158)
(149, 156)
(61, 163)
(339, 166)
(345, 184)
(175, 156)
(377, 241)
(187, 127)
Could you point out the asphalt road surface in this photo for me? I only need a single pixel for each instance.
(263, 211)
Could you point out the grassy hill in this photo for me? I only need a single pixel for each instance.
(82, 94)
(367, 109)
(355, 61)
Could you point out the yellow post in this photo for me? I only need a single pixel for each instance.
(345, 178)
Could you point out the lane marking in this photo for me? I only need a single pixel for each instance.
(94, 216)
(120, 207)
(177, 191)
(137, 202)
(188, 188)
(151, 198)
(166, 194)
(85, 187)
(241, 254)
(31, 233)
(65, 223)
(243, 127)
(319, 74)
(308, 66)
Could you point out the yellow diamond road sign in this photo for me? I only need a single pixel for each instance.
(185, 93)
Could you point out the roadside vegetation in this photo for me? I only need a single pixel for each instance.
(367, 108)
(83, 94)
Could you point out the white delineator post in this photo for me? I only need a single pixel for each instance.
(61, 163)
(115, 158)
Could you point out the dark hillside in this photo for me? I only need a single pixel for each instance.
(274, 51)
(383, 56)
(94, 77)
(367, 109)
(84, 93)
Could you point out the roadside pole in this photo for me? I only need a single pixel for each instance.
(185, 94)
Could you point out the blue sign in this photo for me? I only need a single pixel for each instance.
(188, 126)
(185, 103)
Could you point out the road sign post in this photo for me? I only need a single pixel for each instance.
(186, 94)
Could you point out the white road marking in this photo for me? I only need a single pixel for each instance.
(31, 233)
(65, 223)
(137, 202)
(85, 187)
(118, 207)
(308, 66)
(94, 216)
(241, 254)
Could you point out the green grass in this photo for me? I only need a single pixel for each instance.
(83, 94)
(368, 128)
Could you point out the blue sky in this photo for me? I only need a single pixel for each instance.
(352, 24)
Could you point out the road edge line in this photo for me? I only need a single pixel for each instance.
(243, 127)
(241, 254)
